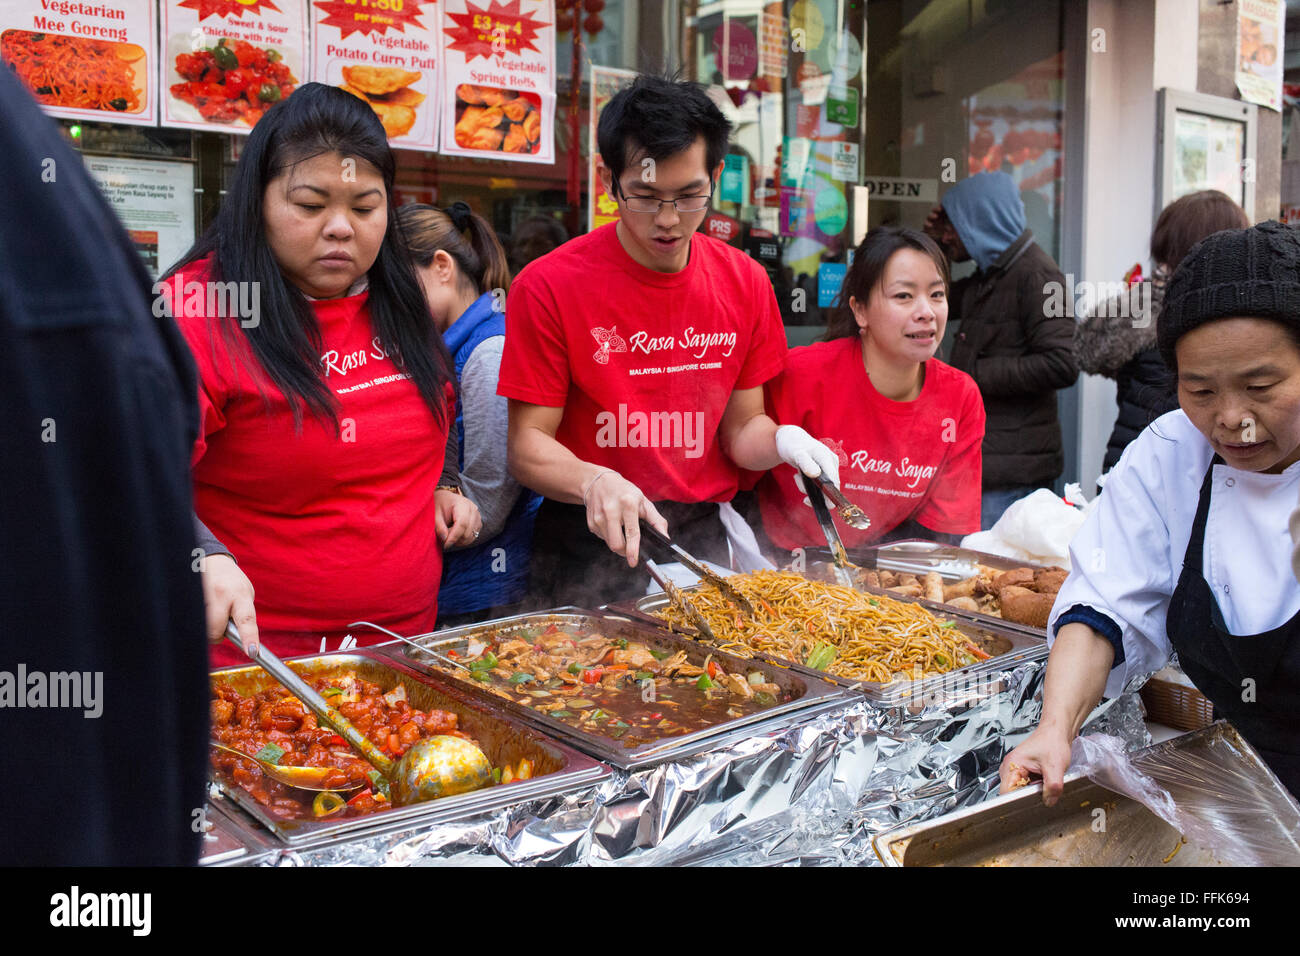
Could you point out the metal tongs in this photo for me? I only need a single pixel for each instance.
(838, 554)
(666, 545)
(681, 600)
(849, 513)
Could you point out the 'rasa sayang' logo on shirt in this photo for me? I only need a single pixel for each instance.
(698, 343)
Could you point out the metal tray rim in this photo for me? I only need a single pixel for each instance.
(896, 692)
(584, 769)
(816, 690)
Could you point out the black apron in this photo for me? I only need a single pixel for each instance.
(1219, 663)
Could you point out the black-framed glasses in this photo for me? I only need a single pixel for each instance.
(681, 204)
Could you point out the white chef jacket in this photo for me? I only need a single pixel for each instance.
(1128, 555)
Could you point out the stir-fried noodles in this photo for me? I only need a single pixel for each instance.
(872, 638)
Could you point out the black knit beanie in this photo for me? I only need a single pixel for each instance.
(1237, 272)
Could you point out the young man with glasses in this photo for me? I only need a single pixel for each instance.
(635, 358)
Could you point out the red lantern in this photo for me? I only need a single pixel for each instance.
(593, 24)
(563, 21)
(593, 6)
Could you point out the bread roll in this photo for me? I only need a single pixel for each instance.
(1049, 580)
(1028, 608)
(1017, 577)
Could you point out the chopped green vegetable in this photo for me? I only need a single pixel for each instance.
(269, 92)
(271, 753)
(821, 657)
(874, 601)
(118, 103)
(598, 714)
(496, 774)
(380, 784)
(704, 683)
(941, 660)
(482, 675)
(331, 691)
(644, 675)
(225, 57)
(660, 655)
(764, 699)
(553, 683)
(561, 713)
(622, 643)
(948, 624)
(274, 56)
(519, 677)
(574, 668)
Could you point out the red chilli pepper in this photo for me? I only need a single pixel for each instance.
(592, 675)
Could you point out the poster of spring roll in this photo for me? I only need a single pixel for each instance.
(498, 87)
(226, 62)
(385, 53)
(84, 61)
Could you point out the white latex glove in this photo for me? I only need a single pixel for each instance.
(804, 453)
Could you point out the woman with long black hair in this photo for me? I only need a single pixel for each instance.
(325, 392)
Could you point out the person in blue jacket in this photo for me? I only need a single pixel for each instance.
(465, 274)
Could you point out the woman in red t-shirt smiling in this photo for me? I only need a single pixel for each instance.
(325, 393)
(907, 427)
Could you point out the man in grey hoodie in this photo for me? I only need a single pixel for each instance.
(1005, 335)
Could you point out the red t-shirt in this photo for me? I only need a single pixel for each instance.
(898, 460)
(643, 362)
(329, 528)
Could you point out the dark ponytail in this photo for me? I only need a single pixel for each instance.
(462, 234)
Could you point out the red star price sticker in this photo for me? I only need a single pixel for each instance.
(229, 8)
(371, 16)
(494, 30)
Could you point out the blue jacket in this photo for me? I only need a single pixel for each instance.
(495, 571)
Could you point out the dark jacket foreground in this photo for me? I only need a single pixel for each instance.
(1019, 356)
(96, 532)
(1119, 342)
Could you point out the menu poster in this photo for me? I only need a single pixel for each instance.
(154, 201)
(84, 61)
(384, 52)
(498, 61)
(226, 62)
(602, 208)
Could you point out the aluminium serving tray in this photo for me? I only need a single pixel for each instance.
(1014, 644)
(558, 768)
(808, 693)
(1212, 773)
(918, 556)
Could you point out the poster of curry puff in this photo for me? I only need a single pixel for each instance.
(84, 61)
(384, 52)
(226, 62)
(498, 61)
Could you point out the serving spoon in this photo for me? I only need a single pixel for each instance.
(304, 778)
(433, 767)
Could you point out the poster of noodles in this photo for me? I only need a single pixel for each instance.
(385, 53)
(498, 87)
(84, 61)
(226, 62)
(1261, 27)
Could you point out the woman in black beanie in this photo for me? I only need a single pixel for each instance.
(1188, 550)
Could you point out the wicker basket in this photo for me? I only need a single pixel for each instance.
(1176, 705)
